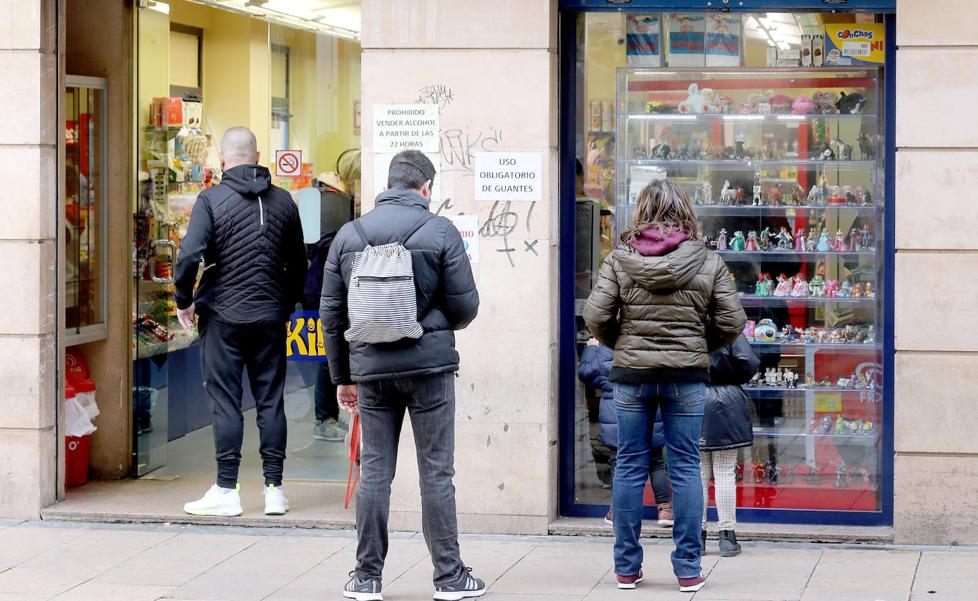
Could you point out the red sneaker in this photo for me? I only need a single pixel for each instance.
(691, 585)
(629, 582)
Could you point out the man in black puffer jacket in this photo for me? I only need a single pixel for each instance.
(248, 235)
(382, 381)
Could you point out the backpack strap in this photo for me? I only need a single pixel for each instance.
(417, 226)
(361, 232)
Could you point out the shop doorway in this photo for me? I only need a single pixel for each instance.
(290, 72)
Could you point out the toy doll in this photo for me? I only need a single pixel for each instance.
(840, 241)
(738, 244)
(784, 239)
(812, 242)
(776, 195)
(866, 239)
(823, 242)
(763, 287)
(817, 286)
(801, 286)
(751, 243)
(855, 240)
(797, 194)
(722, 240)
(832, 288)
(764, 240)
(800, 240)
(784, 286)
(868, 290)
(857, 291)
(739, 196)
(757, 199)
(845, 291)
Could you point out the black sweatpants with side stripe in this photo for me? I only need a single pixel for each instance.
(227, 351)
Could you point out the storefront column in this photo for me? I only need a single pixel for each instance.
(492, 69)
(29, 353)
(936, 479)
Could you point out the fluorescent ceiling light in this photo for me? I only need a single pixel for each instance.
(160, 7)
(340, 19)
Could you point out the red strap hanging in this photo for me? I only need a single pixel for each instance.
(353, 476)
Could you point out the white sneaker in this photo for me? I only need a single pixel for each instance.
(275, 501)
(219, 501)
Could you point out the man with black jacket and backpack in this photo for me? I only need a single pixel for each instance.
(247, 234)
(398, 355)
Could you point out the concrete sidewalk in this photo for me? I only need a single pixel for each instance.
(98, 562)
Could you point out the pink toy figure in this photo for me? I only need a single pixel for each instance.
(855, 240)
(800, 240)
(784, 286)
(840, 241)
(749, 329)
(801, 286)
(722, 240)
(832, 288)
(803, 105)
(751, 243)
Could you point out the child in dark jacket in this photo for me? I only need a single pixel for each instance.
(726, 428)
(596, 363)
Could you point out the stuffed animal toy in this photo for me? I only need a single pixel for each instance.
(699, 101)
(780, 104)
(803, 105)
(825, 102)
(851, 104)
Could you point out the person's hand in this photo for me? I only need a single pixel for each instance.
(186, 317)
(346, 396)
(593, 342)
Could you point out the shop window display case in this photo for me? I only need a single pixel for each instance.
(785, 170)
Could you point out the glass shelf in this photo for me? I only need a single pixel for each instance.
(744, 118)
(783, 347)
(758, 163)
(792, 256)
(782, 389)
(869, 438)
(752, 210)
(807, 301)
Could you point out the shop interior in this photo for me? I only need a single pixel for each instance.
(773, 125)
(288, 70)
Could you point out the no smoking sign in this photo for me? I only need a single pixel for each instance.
(288, 163)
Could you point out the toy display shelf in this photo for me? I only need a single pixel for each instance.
(743, 118)
(748, 210)
(779, 390)
(756, 164)
(793, 256)
(749, 300)
(845, 347)
(751, 210)
(801, 437)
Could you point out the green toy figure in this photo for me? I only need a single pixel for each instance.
(739, 242)
(763, 287)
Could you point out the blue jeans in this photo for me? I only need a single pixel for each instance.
(682, 418)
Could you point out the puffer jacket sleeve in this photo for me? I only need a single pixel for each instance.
(591, 371)
(603, 305)
(735, 364)
(192, 247)
(332, 313)
(460, 302)
(727, 317)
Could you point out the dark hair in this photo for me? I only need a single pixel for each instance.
(578, 168)
(410, 169)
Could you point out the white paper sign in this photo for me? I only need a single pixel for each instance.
(509, 176)
(400, 127)
(468, 227)
(382, 164)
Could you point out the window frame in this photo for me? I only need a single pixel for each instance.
(97, 331)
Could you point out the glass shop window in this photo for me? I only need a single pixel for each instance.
(84, 201)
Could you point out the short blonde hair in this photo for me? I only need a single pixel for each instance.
(348, 167)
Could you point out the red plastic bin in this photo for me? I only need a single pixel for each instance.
(76, 454)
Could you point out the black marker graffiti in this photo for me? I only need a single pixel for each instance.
(458, 148)
(437, 93)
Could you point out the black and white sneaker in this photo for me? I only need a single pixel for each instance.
(362, 590)
(466, 588)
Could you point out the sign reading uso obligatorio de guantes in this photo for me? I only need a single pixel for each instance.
(305, 340)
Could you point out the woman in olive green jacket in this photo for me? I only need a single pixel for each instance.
(663, 301)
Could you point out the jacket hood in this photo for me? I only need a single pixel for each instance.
(652, 243)
(248, 180)
(670, 271)
(402, 196)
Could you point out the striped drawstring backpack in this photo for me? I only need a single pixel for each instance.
(382, 305)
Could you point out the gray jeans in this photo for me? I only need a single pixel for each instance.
(430, 401)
